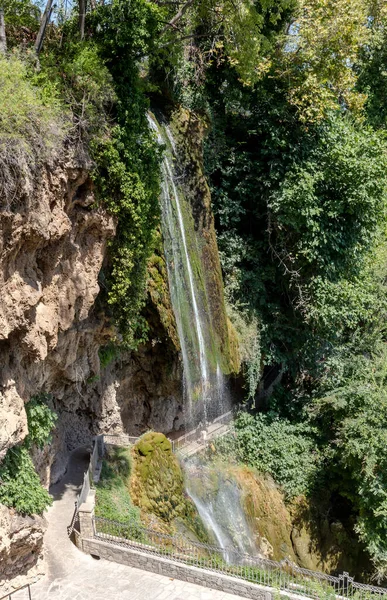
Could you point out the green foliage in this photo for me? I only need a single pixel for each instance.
(127, 172)
(113, 499)
(372, 68)
(330, 206)
(131, 195)
(351, 408)
(80, 77)
(216, 34)
(107, 354)
(21, 13)
(31, 128)
(41, 421)
(272, 445)
(298, 214)
(20, 487)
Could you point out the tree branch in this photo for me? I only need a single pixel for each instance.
(43, 25)
(177, 16)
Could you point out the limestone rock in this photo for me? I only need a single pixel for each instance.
(21, 549)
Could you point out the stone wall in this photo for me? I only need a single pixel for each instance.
(169, 568)
(138, 558)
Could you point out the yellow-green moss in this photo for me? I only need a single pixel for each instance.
(157, 481)
(300, 531)
(158, 290)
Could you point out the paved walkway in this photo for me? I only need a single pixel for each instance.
(73, 575)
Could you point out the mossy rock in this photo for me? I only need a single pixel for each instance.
(144, 448)
(157, 481)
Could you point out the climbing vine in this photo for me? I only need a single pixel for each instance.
(20, 487)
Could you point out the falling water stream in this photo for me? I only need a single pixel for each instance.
(219, 506)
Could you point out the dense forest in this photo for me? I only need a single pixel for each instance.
(293, 97)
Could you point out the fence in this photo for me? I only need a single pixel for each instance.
(216, 428)
(120, 439)
(22, 593)
(283, 576)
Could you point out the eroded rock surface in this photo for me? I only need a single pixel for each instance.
(52, 246)
(21, 548)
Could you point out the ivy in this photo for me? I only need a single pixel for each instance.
(20, 487)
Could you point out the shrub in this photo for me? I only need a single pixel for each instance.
(41, 420)
(20, 487)
(31, 129)
(113, 500)
(272, 445)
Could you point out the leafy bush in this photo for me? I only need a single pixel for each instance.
(20, 487)
(78, 74)
(31, 128)
(272, 445)
(41, 420)
(351, 409)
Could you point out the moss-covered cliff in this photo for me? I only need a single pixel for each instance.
(189, 131)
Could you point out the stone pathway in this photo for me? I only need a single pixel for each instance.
(73, 575)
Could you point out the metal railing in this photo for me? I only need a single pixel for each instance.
(214, 429)
(120, 439)
(183, 440)
(283, 576)
(10, 595)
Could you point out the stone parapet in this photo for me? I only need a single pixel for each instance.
(170, 568)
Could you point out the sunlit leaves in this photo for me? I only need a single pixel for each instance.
(318, 58)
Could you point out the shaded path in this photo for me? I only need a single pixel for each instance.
(73, 575)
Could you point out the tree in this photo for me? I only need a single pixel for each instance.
(3, 39)
(317, 60)
(43, 25)
(82, 17)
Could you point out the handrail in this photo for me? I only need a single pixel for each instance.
(23, 587)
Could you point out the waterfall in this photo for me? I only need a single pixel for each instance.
(205, 390)
(189, 305)
(217, 498)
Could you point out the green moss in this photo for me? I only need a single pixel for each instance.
(158, 291)
(157, 483)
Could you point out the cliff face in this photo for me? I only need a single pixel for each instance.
(53, 243)
(51, 251)
(52, 246)
(55, 339)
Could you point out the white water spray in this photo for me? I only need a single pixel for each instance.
(169, 185)
(221, 509)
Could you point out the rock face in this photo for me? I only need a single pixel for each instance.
(53, 242)
(21, 548)
(51, 251)
(52, 246)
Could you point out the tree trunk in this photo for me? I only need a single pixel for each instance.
(3, 39)
(43, 25)
(82, 14)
